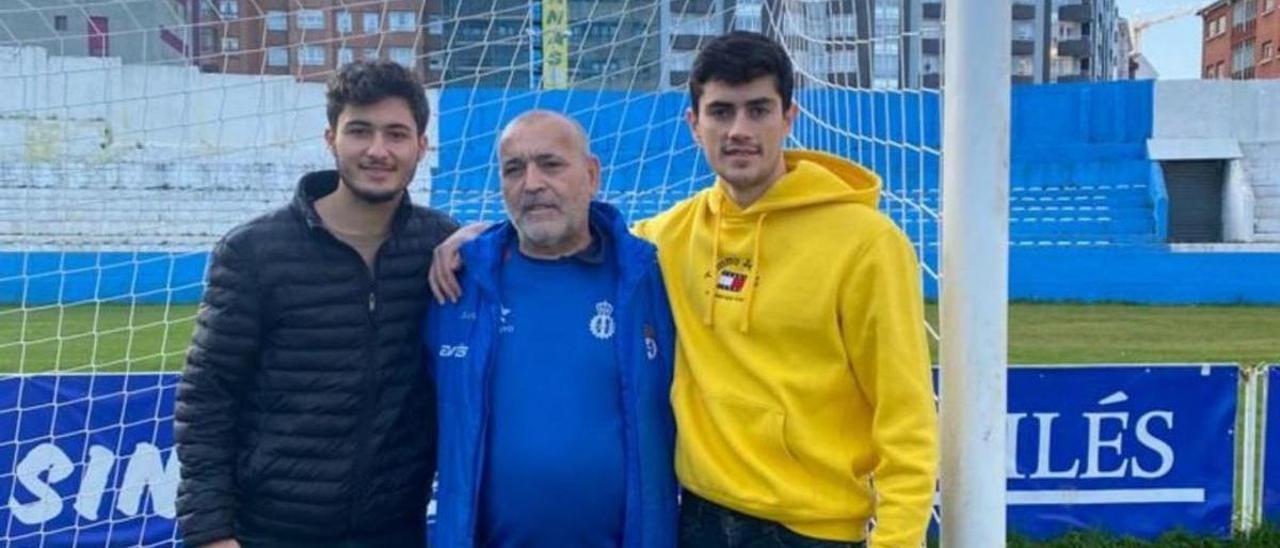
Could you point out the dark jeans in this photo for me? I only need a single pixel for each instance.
(705, 524)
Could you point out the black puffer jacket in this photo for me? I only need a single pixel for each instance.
(304, 411)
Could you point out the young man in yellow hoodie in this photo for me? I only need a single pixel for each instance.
(803, 399)
(802, 394)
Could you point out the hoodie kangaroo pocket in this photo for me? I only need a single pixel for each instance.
(735, 449)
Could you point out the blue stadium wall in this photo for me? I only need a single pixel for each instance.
(1088, 219)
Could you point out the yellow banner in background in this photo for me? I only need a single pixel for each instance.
(555, 44)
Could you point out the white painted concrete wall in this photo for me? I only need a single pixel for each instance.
(1208, 109)
(97, 155)
(1196, 117)
(1237, 205)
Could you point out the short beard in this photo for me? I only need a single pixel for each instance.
(367, 196)
(545, 239)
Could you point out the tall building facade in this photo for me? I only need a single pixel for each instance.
(307, 39)
(137, 31)
(1052, 41)
(1241, 38)
(617, 44)
(900, 43)
(513, 43)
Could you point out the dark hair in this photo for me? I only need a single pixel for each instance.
(364, 83)
(740, 57)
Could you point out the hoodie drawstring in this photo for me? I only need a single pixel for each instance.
(708, 317)
(753, 275)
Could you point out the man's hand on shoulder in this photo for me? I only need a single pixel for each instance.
(447, 261)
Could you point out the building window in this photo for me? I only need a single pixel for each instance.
(695, 25)
(1068, 30)
(1241, 57)
(931, 64)
(680, 61)
(343, 21)
(473, 30)
(506, 28)
(601, 30)
(1244, 11)
(886, 68)
(435, 24)
(1268, 49)
(1023, 65)
(1209, 73)
(99, 36)
(277, 57)
(229, 9)
(888, 20)
(1024, 30)
(345, 55)
(404, 56)
(1065, 66)
(1268, 6)
(311, 55)
(277, 20)
(311, 19)
(844, 61)
(402, 21)
(230, 43)
(59, 22)
(747, 16)
(931, 29)
(369, 23)
(844, 25)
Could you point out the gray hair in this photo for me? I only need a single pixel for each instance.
(540, 114)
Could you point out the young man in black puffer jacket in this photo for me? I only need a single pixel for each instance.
(304, 417)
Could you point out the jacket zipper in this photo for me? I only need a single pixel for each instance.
(360, 470)
(481, 442)
(358, 480)
(628, 389)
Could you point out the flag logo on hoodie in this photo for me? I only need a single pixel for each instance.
(732, 281)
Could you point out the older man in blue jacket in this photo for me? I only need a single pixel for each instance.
(553, 372)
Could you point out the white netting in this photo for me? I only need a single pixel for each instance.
(133, 133)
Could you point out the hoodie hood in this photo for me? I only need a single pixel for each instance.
(812, 178)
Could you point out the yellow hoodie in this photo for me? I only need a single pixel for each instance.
(806, 378)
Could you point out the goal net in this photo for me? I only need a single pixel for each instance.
(134, 133)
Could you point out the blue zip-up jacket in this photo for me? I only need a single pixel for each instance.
(461, 340)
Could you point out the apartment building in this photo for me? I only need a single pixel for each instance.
(306, 38)
(137, 31)
(1241, 38)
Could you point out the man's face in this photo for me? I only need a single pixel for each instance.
(740, 129)
(377, 148)
(548, 179)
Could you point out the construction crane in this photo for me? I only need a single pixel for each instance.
(1142, 21)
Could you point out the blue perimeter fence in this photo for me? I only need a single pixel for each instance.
(1132, 449)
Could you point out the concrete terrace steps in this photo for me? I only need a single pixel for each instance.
(1266, 190)
(1268, 208)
